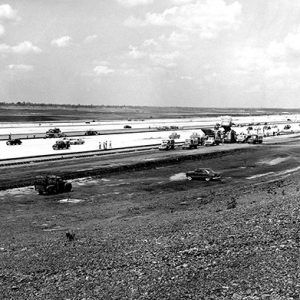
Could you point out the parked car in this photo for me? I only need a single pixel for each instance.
(76, 142)
(127, 126)
(13, 142)
(203, 174)
(174, 136)
(91, 132)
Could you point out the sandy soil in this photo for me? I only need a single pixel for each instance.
(152, 234)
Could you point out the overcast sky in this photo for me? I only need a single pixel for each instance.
(217, 53)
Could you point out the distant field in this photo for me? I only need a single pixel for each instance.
(40, 113)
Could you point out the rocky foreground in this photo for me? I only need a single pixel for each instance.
(139, 236)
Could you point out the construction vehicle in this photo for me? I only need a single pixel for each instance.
(51, 184)
(190, 144)
(223, 130)
(242, 138)
(211, 141)
(199, 139)
(255, 139)
(13, 142)
(91, 132)
(167, 145)
(61, 145)
(226, 122)
(174, 136)
(229, 136)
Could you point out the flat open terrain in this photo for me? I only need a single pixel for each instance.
(42, 113)
(152, 234)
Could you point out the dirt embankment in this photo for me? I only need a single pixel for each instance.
(153, 235)
(18, 176)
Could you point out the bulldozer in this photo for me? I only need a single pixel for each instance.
(51, 184)
(61, 145)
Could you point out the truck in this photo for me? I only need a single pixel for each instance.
(61, 145)
(174, 136)
(199, 138)
(190, 144)
(242, 138)
(211, 141)
(51, 184)
(167, 145)
(255, 139)
(54, 133)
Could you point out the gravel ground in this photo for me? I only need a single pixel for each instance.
(139, 235)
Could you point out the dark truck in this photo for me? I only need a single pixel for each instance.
(167, 145)
(54, 133)
(51, 184)
(61, 145)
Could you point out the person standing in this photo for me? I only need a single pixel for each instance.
(110, 145)
(99, 145)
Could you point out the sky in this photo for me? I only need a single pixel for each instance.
(198, 53)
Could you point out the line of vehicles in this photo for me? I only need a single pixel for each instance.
(63, 143)
(56, 133)
(222, 133)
